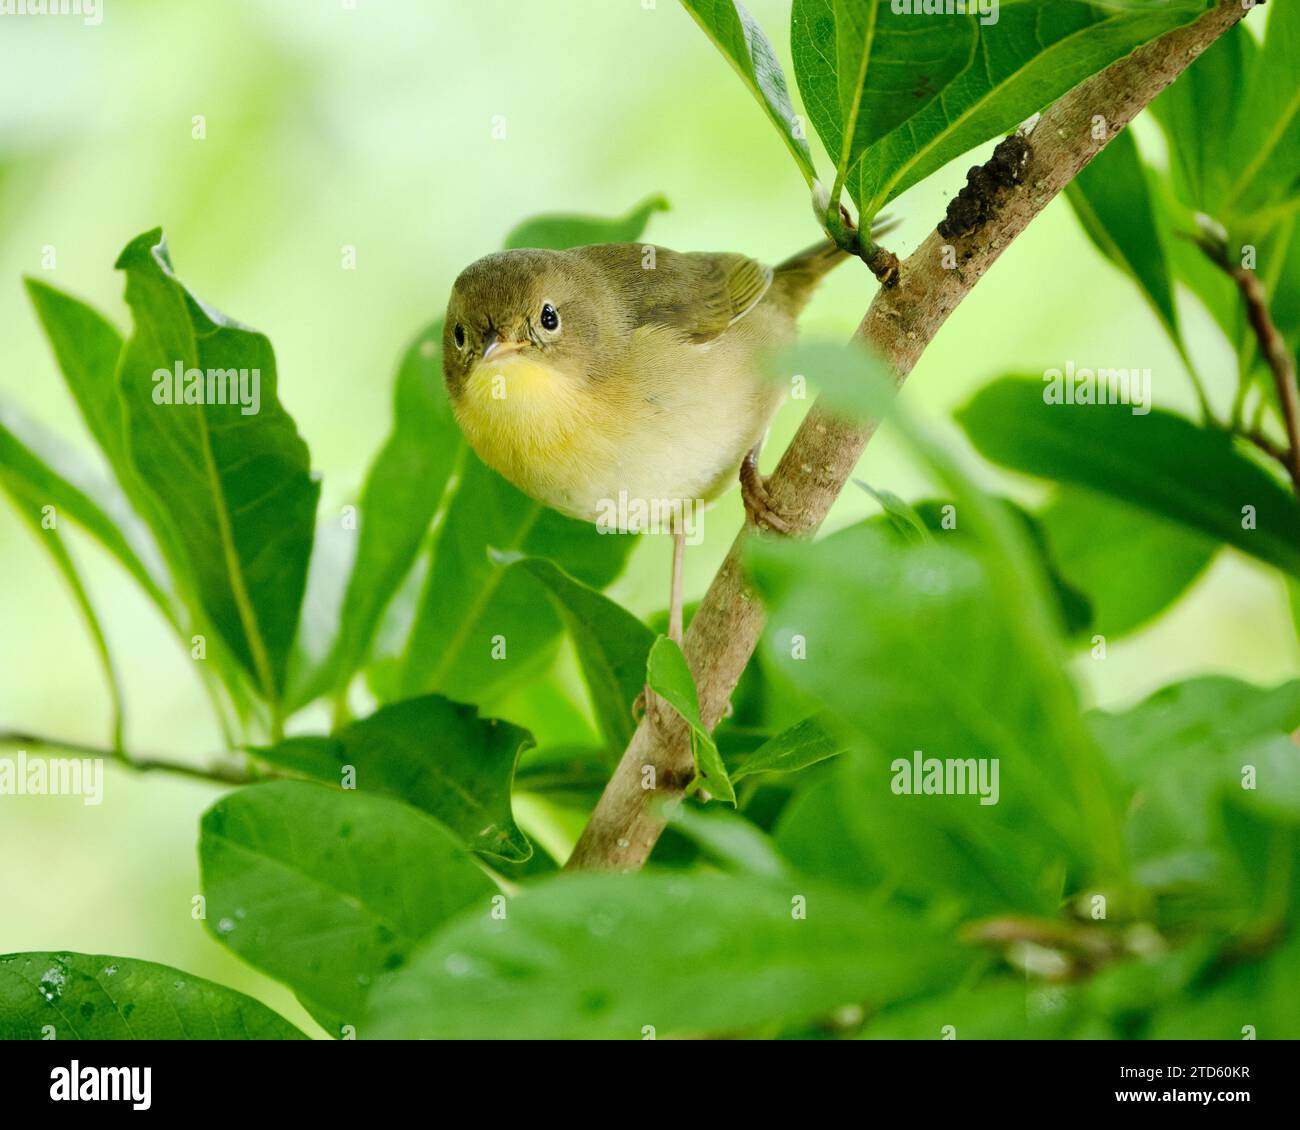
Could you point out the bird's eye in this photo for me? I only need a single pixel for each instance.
(459, 334)
(550, 318)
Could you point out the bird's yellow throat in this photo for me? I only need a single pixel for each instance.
(525, 418)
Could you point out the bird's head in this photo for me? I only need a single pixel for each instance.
(522, 312)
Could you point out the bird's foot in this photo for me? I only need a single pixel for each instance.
(758, 500)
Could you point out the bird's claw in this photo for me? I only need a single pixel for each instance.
(758, 500)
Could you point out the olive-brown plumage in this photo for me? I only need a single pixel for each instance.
(620, 367)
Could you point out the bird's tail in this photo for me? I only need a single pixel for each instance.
(794, 281)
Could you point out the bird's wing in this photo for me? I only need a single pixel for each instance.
(730, 287)
(697, 294)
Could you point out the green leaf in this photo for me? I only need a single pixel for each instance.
(326, 890)
(864, 69)
(902, 517)
(1234, 999)
(30, 502)
(1132, 564)
(86, 346)
(969, 621)
(479, 623)
(42, 468)
(1264, 146)
(822, 835)
(610, 956)
(670, 678)
(1160, 462)
(1072, 605)
(805, 743)
(912, 626)
(727, 839)
(999, 1012)
(1112, 198)
(1038, 50)
(562, 231)
(403, 490)
(737, 35)
(236, 487)
(1183, 747)
(1198, 114)
(612, 645)
(84, 996)
(437, 755)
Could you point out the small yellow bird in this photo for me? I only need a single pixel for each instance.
(624, 377)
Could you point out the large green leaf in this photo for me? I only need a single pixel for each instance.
(1112, 198)
(325, 890)
(403, 490)
(430, 752)
(1264, 145)
(668, 676)
(1037, 50)
(1159, 462)
(1198, 114)
(236, 486)
(912, 626)
(968, 618)
(612, 647)
(562, 231)
(821, 833)
(82, 996)
(1131, 564)
(1183, 747)
(737, 35)
(87, 348)
(629, 956)
(864, 69)
(480, 623)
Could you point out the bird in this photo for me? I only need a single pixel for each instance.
(625, 372)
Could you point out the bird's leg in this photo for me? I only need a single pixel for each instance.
(675, 588)
(758, 502)
(647, 700)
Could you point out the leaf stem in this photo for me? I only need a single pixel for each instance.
(219, 774)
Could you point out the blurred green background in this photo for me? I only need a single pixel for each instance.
(371, 125)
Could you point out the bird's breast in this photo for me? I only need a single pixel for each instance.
(534, 424)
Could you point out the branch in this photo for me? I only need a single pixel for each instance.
(221, 774)
(899, 325)
(1275, 352)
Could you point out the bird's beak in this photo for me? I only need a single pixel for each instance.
(494, 346)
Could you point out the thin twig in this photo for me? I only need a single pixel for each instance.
(1273, 347)
(220, 774)
(1267, 446)
(901, 322)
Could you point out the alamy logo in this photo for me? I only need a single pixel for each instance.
(53, 776)
(180, 385)
(90, 11)
(1098, 386)
(949, 776)
(101, 1084)
(987, 10)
